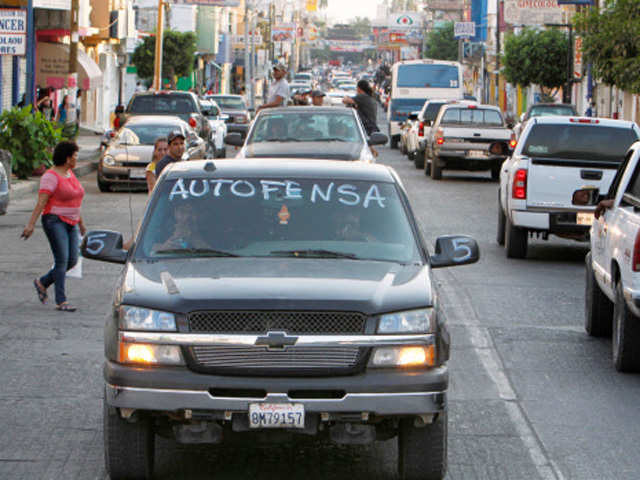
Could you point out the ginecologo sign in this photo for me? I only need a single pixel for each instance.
(404, 20)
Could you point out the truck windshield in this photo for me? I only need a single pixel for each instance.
(579, 142)
(275, 217)
(428, 76)
(472, 116)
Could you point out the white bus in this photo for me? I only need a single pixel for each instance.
(415, 81)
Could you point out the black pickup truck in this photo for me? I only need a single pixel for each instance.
(283, 297)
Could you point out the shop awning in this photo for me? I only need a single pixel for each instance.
(52, 68)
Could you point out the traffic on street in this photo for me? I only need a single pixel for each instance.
(284, 240)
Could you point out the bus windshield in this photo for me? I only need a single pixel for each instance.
(428, 76)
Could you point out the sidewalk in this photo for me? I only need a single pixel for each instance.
(88, 156)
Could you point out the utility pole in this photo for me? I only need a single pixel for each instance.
(247, 60)
(253, 63)
(73, 47)
(157, 66)
(31, 57)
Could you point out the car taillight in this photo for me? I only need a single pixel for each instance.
(421, 129)
(520, 184)
(584, 120)
(192, 122)
(439, 136)
(513, 142)
(635, 265)
(116, 122)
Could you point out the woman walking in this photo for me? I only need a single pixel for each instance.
(367, 107)
(59, 201)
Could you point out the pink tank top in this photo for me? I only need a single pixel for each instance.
(65, 196)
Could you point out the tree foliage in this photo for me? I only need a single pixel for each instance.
(178, 51)
(538, 57)
(611, 42)
(30, 138)
(362, 26)
(441, 44)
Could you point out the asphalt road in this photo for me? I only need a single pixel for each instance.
(532, 397)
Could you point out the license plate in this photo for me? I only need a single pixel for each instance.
(276, 415)
(137, 173)
(584, 218)
(477, 154)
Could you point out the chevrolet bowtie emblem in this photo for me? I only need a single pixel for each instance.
(276, 340)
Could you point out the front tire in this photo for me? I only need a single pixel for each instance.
(436, 169)
(626, 335)
(102, 185)
(128, 447)
(422, 452)
(495, 173)
(502, 219)
(515, 240)
(598, 309)
(393, 142)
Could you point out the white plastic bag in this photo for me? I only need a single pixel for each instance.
(76, 272)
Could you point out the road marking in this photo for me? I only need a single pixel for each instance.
(458, 303)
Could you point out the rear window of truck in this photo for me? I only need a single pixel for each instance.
(579, 142)
(472, 116)
(162, 104)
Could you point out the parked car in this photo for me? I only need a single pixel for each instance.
(307, 132)
(174, 103)
(543, 110)
(296, 297)
(554, 157)
(123, 162)
(460, 138)
(236, 107)
(419, 130)
(217, 128)
(612, 296)
(4, 189)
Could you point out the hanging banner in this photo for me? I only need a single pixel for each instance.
(312, 5)
(577, 57)
(13, 31)
(283, 32)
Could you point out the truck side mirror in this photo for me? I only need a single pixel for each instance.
(103, 245)
(586, 196)
(454, 250)
(234, 139)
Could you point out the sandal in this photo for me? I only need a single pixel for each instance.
(65, 307)
(42, 292)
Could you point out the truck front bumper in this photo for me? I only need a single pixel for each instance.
(375, 391)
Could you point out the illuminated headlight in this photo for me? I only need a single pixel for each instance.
(137, 318)
(109, 160)
(415, 356)
(146, 354)
(410, 321)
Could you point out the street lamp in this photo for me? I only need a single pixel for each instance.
(566, 94)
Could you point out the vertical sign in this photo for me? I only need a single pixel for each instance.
(13, 31)
(312, 5)
(577, 57)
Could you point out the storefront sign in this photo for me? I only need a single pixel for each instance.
(13, 31)
(464, 29)
(283, 32)
(532, 12)
(52, 4)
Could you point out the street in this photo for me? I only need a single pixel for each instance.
(532, 396)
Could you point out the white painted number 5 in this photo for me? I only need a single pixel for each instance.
(463, 251)
(94, 244)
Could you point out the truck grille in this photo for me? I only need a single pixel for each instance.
(291, 322)
(300, 359)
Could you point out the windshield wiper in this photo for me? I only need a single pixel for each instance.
(209, 252)
(314, 252)
(288, 139)
(331, 139)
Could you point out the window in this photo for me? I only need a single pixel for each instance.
(277, 216)
(579, 142)
(310, 127)
(428, 76)
(472, 116)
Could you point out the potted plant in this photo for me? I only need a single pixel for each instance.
(30, 138)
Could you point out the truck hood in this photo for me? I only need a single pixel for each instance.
(183, 285)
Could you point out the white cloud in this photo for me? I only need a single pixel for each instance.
(343, 10)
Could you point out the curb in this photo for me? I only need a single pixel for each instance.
(25, 188)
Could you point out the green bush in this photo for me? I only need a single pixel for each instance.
(30, 138)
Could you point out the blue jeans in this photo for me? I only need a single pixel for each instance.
(63, 239)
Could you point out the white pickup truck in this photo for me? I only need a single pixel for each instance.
(612, 290)
(554, 157)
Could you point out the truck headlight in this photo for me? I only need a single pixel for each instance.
(413, 356)
(410, 321)
(137, 318)
(146, 354)
(109, 160)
